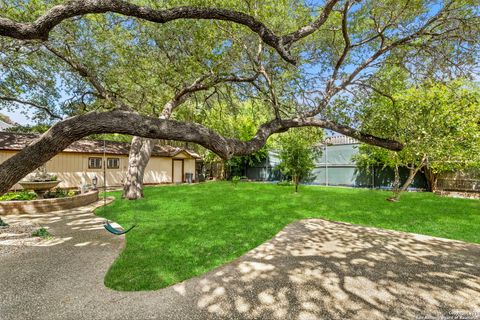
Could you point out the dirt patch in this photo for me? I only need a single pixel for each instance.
(16, 236)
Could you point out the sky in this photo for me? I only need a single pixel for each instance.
(17, 116)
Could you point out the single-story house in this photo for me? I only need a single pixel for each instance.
(79, 163)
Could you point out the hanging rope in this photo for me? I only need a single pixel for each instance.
(107, 224)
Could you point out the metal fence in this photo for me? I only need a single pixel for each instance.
(336, 167)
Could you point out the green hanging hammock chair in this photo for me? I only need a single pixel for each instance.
(115, 231)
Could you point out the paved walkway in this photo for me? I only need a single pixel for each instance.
(313, 269)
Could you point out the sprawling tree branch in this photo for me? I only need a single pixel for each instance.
(65, 132)
(40, 28)
(204, 82)
(32, 104)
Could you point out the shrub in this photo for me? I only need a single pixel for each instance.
(285, 183)
(16, 196)
(57, 193)
(235, 180)
(42, 233)
(3, 223)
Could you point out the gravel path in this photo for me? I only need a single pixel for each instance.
(313, 269)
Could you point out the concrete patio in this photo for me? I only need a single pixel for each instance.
(313, 269)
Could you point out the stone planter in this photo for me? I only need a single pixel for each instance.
(39, 187)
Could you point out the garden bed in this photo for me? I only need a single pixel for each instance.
(47, 205)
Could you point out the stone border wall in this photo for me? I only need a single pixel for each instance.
(459, 194)
(47, 205)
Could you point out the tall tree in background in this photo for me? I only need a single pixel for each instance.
(440, 124)
(241, 123)
(303, 56)
(298, 149)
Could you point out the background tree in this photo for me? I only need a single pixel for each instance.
(241, 123)
(439, 123)
(298, 149)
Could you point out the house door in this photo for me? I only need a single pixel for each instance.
(177, 168)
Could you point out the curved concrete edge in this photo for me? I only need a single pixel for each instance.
(286, 229)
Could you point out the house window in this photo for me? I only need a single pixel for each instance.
(94, 163)
(113, 163)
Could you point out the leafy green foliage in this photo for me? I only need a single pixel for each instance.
(19, 195)
(239, 120)
(58, 193)
(223, 227)
(38, 128)
(236, 180)
(3, 223)
(298, 149)
(42, 233)
(439, 124)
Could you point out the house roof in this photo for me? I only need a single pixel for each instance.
(18, 141)
(4, 125)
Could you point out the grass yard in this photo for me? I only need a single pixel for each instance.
(187, 230)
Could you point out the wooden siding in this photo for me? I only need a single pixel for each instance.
(72, 169)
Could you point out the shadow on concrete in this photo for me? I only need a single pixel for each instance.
(316, 269)
(313, 269)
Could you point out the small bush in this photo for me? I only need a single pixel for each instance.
(285, 183)
(235, 180)
(57, 193)
(42, 233)
(3, 223)
(16, 196)
(53, 178)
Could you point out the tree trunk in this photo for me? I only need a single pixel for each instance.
(140, 152)
(139, 156)
(396, 181)
(296, 180)
(396, 186)
(408, 182)
(431, 179)
(411, 175)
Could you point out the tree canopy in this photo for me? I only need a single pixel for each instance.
(439, 123)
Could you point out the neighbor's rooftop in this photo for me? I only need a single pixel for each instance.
(18, 141)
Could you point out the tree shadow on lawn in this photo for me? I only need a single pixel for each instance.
(321, 269)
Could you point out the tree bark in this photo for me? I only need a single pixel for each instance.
(411, 175)
(140, 152)
(431, 179)
(396, 183)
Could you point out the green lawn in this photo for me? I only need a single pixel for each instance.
(184, 231)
